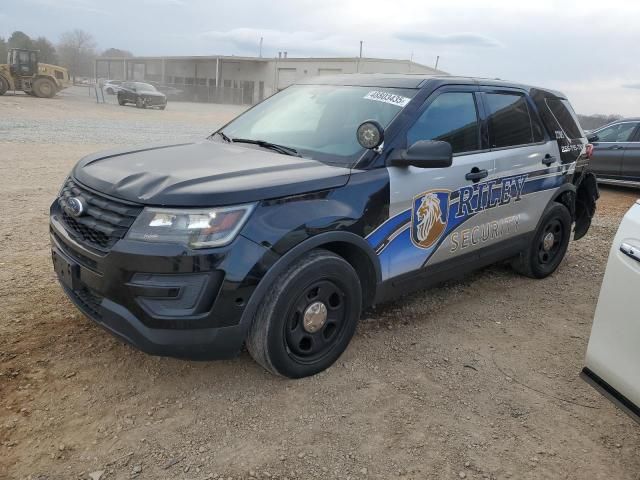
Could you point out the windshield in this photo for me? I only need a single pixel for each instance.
(145, 87)
(320, 121)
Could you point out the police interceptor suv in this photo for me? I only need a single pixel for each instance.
(326, 198)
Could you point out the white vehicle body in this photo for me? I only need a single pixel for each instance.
(112, 86)
(613, 354)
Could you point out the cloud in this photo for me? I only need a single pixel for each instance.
(296, 43)
(454, 39)
(635, 86)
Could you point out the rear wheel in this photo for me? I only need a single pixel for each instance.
(121, 101)
(4, 85)
(308, 318)
(549, 244)
(110, 91)
(44, 88)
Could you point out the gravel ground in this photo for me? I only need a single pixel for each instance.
(475, 379)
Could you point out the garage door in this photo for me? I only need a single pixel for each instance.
(286, 76)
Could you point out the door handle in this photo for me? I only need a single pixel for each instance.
(549, 159)
(617, 147)
(630, 251)
(476, 174)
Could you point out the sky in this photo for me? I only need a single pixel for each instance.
(585, 49)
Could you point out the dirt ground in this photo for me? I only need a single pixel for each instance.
(474, 379)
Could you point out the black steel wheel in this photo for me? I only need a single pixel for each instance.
(140, 103)
(549, 244)
(4, 85)
(306, 321)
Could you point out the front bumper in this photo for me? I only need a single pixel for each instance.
(163, 299)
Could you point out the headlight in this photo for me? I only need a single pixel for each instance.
(201, 228)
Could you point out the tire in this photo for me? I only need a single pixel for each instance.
(121, 101)
(110, 91)
(548, 246)
(4, 85)
(288, 336)
(140, 103)
(44, 88)
(163, 107)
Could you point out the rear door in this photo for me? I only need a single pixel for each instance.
(609, 149)
(631, 159)
(613, 354)
(523, 152)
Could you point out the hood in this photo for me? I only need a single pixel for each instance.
(204, 174)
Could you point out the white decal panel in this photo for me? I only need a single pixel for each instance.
(387, 97)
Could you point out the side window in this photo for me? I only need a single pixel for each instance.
(451, 117)
(566, 117)
(620, 132)
(509, 121)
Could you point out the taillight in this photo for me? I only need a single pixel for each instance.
(589, 151)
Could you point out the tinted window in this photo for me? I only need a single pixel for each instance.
(452, 118)
(509, 122)
(566, 117)
(620, 132)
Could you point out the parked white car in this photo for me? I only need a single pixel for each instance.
(613, 354)
(112, 86)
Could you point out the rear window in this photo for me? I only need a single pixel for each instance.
(509, 121)
(566, 117)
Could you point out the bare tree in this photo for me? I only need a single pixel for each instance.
(77, 51)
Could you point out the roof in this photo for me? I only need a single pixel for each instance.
(411, 80)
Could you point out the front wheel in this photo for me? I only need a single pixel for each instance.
(44, 88)
(548, 246)
(307, 319)
(4, 85)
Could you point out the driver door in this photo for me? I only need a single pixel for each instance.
(434, 224)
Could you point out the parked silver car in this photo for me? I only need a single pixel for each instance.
(616, 152)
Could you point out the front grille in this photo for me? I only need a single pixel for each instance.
(104, 222)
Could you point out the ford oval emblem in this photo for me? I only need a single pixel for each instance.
(76, 206)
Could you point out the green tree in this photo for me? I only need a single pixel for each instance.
(20, 39)
(47, 52)
(3, 50)
(116, 53)
(77, 52)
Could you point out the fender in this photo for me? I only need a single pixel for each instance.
(296, 252)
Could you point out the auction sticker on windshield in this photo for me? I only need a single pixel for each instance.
(387, 97)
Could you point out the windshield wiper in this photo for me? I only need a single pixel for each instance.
(271, 146)
(223, 135)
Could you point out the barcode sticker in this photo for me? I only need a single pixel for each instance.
(387, 97)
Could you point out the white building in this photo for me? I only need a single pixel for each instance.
(239, 80)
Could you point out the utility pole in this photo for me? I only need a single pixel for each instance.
(360, 48)
(437, 60)
(261, 39)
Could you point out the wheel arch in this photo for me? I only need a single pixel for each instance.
(353, 248)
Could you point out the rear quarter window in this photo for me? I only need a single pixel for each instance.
(566, 118)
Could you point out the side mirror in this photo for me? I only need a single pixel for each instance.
(424, 154)
(592, 138)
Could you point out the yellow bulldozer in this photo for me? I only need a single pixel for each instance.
(23, 72)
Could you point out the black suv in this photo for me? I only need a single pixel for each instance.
(326, 198)
(143, 95)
